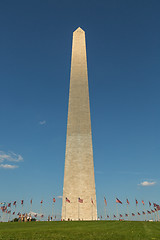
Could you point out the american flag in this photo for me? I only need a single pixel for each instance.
(80, 200)
(67, 200)
(143, 212)
(142, 202)
(14, 203)
(41, 201)
(139, 213)
(118, 201)
(152, 210)
(105, 201)
(126, 215)
(42, 216)
(107, 216)
(92, 201)
(35, 215)
(133, 214)
(22, 201)
(13, 213)
(127, 200)
(136, 201)
(149, 212)
(31, 202)
(120, 215)
(114, 216)
(54, 200)
(156, 206)
(150, 203)
(9, 204)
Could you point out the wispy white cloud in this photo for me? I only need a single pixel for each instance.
(34, 213)
(8, 166)
(146, 183)
(59, 196)
(10, 157)
(42, 122)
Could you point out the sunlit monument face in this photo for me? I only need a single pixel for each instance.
(79, 197)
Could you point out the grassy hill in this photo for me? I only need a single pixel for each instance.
(108, 230)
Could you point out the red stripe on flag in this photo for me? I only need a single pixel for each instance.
(67, 200)
(118, 201)
(80, 200)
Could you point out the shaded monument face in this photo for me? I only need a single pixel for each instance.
(79, 179)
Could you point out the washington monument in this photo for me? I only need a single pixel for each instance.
(79, 196)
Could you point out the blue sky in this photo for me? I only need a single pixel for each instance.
(123, 50)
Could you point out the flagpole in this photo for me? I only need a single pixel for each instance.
(158, 215)
(105, 210)
(65, 209)
(155, 215)
(128, 212)
(117, 210)
(52, 210)
(151, 212)
(22, 213)
(108, 215)
(150, 209)
(10, 213)
(15, 207)
(3, 216)
(137, 211)
(41, 209)
(144, 216)
(7, 216)
(11, 207)
(145, 212)
(31, 206)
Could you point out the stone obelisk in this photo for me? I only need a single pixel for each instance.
(79, 181)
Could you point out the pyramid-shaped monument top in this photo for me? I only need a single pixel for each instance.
(79, 30)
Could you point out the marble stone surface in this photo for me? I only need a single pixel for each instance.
(79, 180)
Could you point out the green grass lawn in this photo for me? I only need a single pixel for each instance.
(81, 230)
